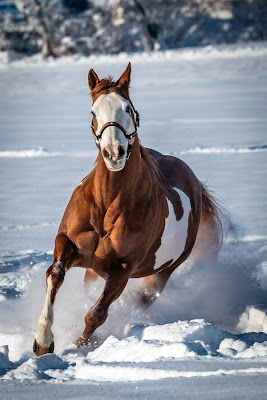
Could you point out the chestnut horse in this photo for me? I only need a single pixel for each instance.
(137, 214)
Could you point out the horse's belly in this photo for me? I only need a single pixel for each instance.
(175, 233)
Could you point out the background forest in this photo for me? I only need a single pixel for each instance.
(64, 27)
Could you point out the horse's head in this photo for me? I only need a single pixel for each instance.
(115, 120)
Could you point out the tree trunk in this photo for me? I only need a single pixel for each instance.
(47, 39)
(152, 28)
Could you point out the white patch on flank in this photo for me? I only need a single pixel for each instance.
(175, 233)
(44, 336)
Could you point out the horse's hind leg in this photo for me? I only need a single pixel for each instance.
(65, 256)
(152, 286)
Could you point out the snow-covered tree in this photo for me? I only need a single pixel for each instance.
(61, 27)
(35, 13)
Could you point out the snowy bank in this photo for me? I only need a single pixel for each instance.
(210, 52)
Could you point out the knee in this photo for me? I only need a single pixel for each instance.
(56, 272)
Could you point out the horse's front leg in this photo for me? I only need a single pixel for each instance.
(66, 255)
(97, 315)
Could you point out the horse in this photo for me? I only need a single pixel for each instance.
(138, 214)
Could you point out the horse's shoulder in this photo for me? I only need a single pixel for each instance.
(77, 210)
(86, 181)
(80, 192)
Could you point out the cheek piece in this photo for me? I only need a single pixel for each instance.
(128, 136)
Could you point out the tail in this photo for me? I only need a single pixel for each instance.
(212, 211)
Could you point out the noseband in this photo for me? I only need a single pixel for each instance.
(128, 136)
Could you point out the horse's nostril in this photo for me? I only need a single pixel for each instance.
(121, 151)
(106, 154)
(114, 153)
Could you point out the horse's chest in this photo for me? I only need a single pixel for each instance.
(175, 232)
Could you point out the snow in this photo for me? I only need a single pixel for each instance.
(206, 335)
(230, 150)
(40, 152)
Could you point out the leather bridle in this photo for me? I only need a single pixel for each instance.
(128, 136)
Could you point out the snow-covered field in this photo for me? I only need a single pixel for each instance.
(206, 336)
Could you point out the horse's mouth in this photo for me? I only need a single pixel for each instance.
(115, 167)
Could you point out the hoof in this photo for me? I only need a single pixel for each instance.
(91, 343)
(82, 341)
(39, 350)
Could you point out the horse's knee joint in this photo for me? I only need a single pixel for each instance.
(56, 271)
(54, 278)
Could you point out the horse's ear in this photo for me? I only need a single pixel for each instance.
(93, 79)
(126, 76)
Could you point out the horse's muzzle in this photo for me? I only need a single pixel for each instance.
(114, 156)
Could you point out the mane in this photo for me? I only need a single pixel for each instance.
(107, 85)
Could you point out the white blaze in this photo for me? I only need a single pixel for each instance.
(112, 108)
(175, 233)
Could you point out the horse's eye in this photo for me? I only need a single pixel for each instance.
(128, 109)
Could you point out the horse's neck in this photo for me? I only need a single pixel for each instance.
(109, 185)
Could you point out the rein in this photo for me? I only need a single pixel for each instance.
(128, 136)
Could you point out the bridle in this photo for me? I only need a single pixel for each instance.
(128, 136)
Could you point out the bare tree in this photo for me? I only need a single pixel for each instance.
(34, 13)
(151, 27)
(57, 28)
